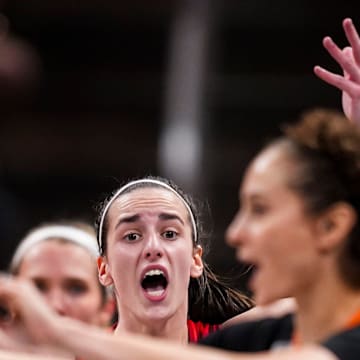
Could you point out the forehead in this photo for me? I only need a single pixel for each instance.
(58, 257)
(270, 170)
(150, 200)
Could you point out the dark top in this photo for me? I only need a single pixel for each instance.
(346, 344)
(252, 336)
(269, 334)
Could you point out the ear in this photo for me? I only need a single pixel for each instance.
(334, 225)
(105, 277)
(197, 265)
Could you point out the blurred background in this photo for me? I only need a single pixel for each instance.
(93, 92)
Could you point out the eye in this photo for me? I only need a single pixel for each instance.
(132, 237)
(170, 234)
(76, 287)
(259, 209)
(41, 285)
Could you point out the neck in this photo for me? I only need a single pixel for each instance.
(325, 309)
(172, 328)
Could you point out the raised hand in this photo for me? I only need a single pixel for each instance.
(349, 61)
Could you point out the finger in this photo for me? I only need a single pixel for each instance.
(338, 81)
(349, 54)
(5, 298)
(9, 343)
(342, 58)
(12, 293)
(353, 38)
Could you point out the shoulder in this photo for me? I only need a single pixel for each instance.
(346, 344)
(252, 336)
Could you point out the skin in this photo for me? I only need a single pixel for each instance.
(149, 228)
(330, 228)
(274, 231)
(47, 328)
(258, 229)
(67, 278)
(349, 61)
(8, 355)
(260, 237)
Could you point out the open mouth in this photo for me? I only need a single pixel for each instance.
(154, 282)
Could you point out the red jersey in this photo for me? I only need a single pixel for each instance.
(198, 330)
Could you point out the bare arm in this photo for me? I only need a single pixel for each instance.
(12, 355)
(47, 328)
(129, 347)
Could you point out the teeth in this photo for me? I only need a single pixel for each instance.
(154, 272)
(155, 292)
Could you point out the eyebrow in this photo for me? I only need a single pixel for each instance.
(252, 196)
(136, 217)
(128, 219)
(167, 216)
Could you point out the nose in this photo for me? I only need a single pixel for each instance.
(153, 249)
(56, 299)
(235, 231)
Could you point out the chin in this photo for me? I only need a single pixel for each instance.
(157, 314)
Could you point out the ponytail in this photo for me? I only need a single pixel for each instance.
(212, 300)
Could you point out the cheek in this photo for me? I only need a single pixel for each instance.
(184, 260)
(122, 266)
(290, 247)
(90, 302)
(260, 237)
(123, 257)
(284, 231)
(265, 243)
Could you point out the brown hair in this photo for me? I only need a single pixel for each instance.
(326, 150)
(211, 299)
(76, 224)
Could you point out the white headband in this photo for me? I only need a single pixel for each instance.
(66, 232)
(145, 181)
